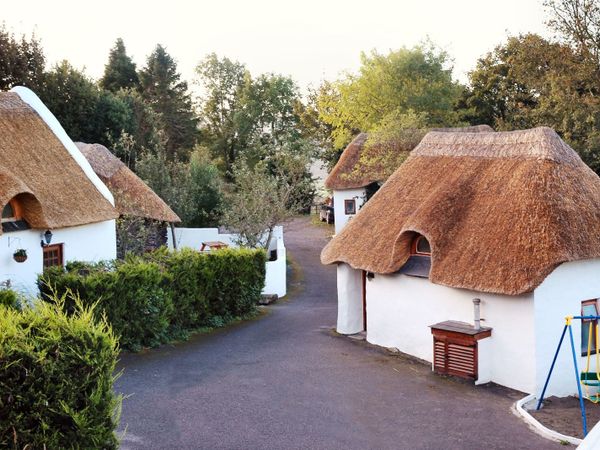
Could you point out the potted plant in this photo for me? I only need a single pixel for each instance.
(20, 255)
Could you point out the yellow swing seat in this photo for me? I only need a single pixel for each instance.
(589, 378)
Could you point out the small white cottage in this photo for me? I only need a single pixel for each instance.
(54, 207)
(363, 167)
(509, 218)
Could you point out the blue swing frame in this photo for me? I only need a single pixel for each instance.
(568, 321)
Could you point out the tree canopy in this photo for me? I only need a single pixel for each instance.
(168, 96)
(119, 72)
(411, 81)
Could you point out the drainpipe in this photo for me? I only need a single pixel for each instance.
(477, 318)
(173, 235)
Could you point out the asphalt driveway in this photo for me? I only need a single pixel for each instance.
(285, 381)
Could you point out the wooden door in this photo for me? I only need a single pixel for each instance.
(364, 299)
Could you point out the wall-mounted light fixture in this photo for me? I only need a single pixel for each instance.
(47, 238)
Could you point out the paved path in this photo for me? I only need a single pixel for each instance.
(286, 382)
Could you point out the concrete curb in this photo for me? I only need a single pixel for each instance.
(538, 427)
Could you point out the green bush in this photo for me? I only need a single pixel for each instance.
(225, 283)
(56, 379)
(132, 295)
(9, 298)
(166, 294)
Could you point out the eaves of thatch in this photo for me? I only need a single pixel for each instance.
(362, 163)
(500, 210)
(52, 188)
(133, 197)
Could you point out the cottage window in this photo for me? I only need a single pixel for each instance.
(12, 217)
(420, 246)
(11, 211)
(53, 255)
(588, 308)
(350, 207)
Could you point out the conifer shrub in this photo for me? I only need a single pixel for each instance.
(56, 378)
(9, 298)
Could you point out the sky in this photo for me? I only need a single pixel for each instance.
(310, 40)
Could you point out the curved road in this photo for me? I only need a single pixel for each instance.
(285, 381)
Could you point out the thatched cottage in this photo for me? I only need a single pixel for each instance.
(510, 218)
(133, 197)
(54, 207)
(364, 166)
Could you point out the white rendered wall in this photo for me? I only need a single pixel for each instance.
(276, 271)
(341, 219)
(93, 242)
(401, 308)
(350, 303)
(558, 296)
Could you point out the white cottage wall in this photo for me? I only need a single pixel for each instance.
(560, 295)
(93, 242)
(401, 308)
(350, 304)
(339, 213)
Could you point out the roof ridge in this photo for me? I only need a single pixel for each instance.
(535, 143)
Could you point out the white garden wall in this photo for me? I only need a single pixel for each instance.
(341, 218)
(93, 242)
(401, 308)
(276, 271)
(558, 296)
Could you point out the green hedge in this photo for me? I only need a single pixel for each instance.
(56, 379)
(165, 295)
(131, 295)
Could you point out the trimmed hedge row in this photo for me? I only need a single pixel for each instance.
(164, 295)
(56, 383)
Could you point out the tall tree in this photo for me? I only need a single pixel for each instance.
(22, 62)
(578, 23)
(407, 81)
(145, 133)
(86, 112)
(168, 95)
(119, 72)
(223, 82)
(245, 116)
(269, 109)
(530, 81)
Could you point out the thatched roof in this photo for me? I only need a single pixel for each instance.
(51, 186)
(500, 210)
(132, 196)
(356, 169)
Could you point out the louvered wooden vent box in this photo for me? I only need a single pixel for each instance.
(455, 348)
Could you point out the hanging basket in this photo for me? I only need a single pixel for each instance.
(20, 256)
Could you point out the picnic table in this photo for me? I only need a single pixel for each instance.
(213, 245)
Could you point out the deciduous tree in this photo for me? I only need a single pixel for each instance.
(407, 81)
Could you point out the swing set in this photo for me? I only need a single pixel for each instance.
(588, 379)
